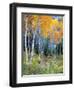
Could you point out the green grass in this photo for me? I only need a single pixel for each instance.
(44, 65)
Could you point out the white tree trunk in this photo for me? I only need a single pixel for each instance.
(32, 52)
(26, 52)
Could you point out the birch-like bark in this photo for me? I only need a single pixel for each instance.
(32, 52)
(38, 25)
(26, 52)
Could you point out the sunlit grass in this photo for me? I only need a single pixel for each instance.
(47, 65)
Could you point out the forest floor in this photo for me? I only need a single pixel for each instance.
(43, 65)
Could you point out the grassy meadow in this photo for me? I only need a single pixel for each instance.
(48, 65)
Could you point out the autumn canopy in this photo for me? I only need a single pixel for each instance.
(49, 27)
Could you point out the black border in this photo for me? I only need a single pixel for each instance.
(13, 44)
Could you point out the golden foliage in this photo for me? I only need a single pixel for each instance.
(52, 28)
(45, 25)
(34, 21)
